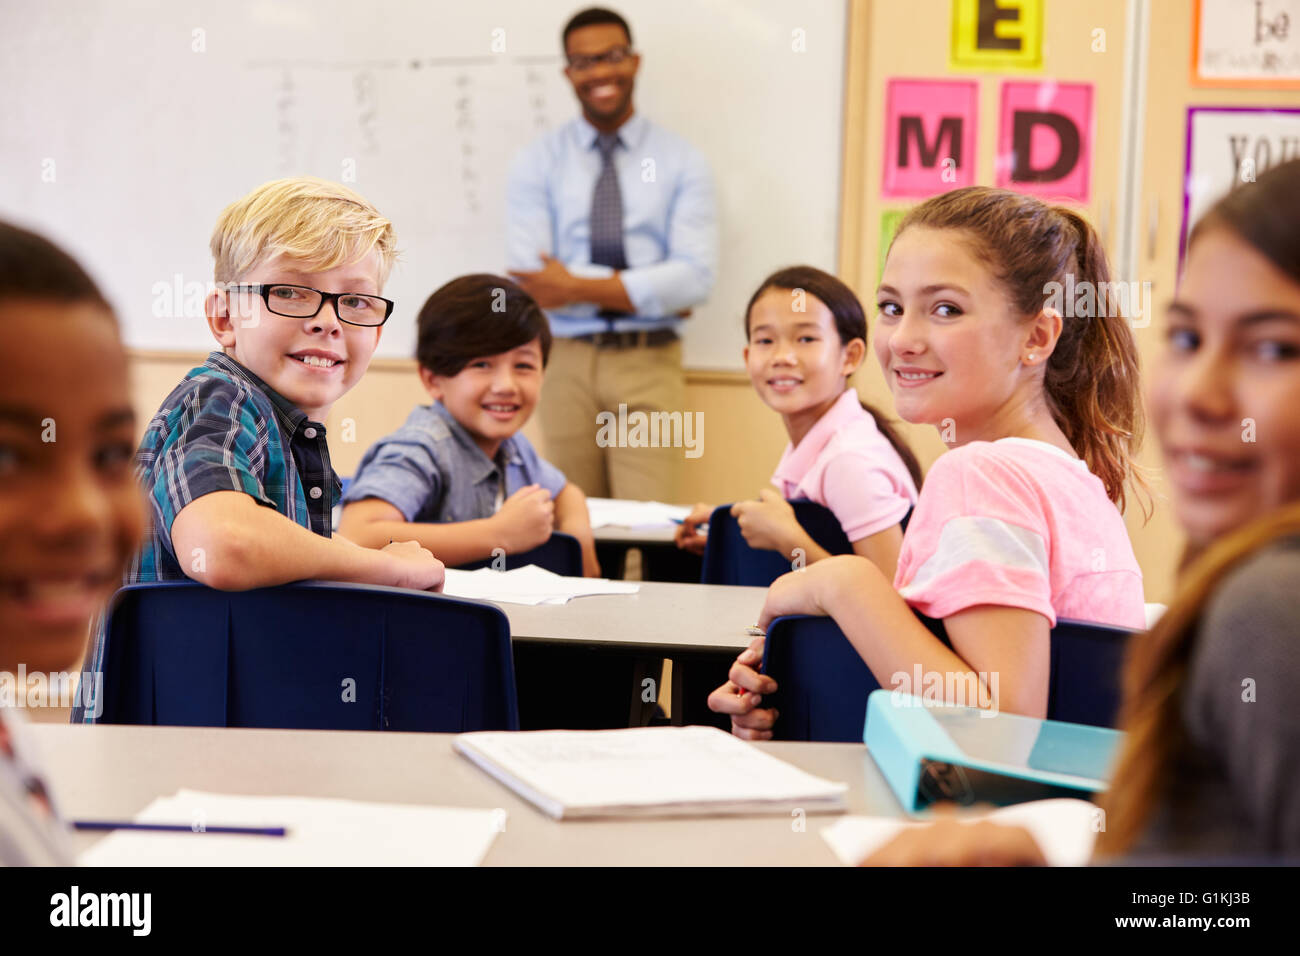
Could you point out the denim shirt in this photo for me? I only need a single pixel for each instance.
(431, 470)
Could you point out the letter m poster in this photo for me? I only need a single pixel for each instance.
(930, 128)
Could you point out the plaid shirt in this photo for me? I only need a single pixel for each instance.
(224, 429)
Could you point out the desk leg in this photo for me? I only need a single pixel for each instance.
(694, 678)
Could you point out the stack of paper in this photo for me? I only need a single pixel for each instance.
(616, 512)
(321, 832)
(528, 585)
(1064, 829)
(646, 771)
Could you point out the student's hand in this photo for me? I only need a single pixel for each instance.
(414, 567)
(551, 286)
(741, 695)
(949, 842)
(526, 519)
(811, 590)
(768, 522)
(688, 535)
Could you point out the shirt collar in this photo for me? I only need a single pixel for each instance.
(483, 466)
(290, 415)
(630, 134)
(798, 459)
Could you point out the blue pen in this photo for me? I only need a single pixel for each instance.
(174, 828)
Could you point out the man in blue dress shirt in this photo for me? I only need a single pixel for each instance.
(612, 229)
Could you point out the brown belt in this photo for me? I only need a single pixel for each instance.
(628, 340)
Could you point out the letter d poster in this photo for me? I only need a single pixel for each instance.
(1045, 133)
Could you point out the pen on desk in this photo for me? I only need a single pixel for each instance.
(175, 827)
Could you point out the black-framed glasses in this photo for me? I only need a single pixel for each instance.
(614, 57)
(304, 302)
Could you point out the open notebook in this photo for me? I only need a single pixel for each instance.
(646, 771)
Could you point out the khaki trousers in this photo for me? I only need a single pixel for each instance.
(581, 382)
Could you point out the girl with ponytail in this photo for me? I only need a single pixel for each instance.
(807, 334)
(1020, 522)
(1212, 732)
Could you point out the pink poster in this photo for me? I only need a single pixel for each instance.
(930, 128)
(1045, 139)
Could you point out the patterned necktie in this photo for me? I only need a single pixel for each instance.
(607, 216)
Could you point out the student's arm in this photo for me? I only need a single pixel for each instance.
(228, 541)
(770, 523)
(1001, 653)
(688, 535)
(882, 549)
(951, 842)
(524, 521)
(572, 517)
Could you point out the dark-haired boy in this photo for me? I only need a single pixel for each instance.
(458, 477)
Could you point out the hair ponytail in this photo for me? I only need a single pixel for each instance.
(1091, 379)
(850, 324)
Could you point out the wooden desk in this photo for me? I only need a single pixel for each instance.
(115, 771)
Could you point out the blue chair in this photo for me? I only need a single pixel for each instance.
(1087, 661)
(728, 558)
(560, 554)
(823, 684)
(311, 655)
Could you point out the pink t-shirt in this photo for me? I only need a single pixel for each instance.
(1019, 523)
(845, 464)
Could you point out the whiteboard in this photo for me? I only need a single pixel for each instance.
(128, 126)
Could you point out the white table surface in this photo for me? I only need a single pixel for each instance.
(113, 772)
(661, 615)
(658, 534)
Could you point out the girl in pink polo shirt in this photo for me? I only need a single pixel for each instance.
(807, 335)
(1019, 523)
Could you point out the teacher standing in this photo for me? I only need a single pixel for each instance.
(612, 228)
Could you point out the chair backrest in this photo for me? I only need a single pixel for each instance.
(311, 655)
(823, 684)
(1087, 662)
(560, 554)
(728, 558)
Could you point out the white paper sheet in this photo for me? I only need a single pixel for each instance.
(616, 512)
(321, 832)
(528, 585)
(1064, 829)
(646, 771)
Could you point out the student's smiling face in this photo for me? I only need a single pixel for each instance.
(946, 336)
(273, 347)
(71, 513)
(492, 396)
(795, 359)
(1225, 392)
